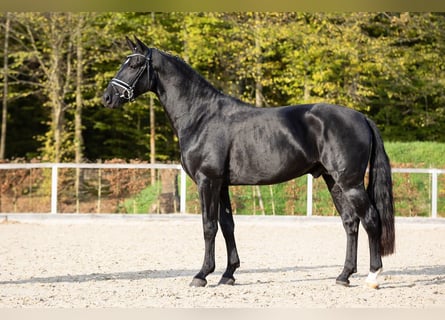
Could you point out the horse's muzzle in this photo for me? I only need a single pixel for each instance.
(106, 99)
(109, 100)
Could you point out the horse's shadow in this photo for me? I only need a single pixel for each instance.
(436, 275)
(91, 277)
(437, 270)
(146, 274)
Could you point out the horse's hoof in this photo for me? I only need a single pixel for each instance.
(371, 280)
(344, 283)
(227, 281)
(372, 285)
(198, 283)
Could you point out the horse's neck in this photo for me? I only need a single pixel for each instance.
(180, 90)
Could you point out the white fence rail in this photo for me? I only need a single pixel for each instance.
(182, 190)
(434, 187)
(55, 168)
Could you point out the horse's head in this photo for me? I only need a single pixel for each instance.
(134, 77)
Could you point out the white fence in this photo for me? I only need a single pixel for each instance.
(55, 168)
(434, 187)
(182, 190)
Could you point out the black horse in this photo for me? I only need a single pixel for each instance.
(224, 141)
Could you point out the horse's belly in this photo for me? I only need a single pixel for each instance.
(266, 169)
(262, 179)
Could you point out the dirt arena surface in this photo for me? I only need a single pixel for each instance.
(72, 261)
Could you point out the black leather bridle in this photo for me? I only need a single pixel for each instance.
(128, 88)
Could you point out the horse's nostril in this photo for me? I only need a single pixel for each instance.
(106, 98)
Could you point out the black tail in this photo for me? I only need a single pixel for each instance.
(380, 190)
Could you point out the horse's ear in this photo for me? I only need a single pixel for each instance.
(140, 45)
(131, 44)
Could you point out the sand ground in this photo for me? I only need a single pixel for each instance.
(148, 261)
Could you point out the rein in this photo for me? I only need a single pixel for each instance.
(128, 88)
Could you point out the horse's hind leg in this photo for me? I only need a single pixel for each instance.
(351, 224)
(228, 228)
(369, 217)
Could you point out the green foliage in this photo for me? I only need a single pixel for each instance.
(390, 66)
(143, 201)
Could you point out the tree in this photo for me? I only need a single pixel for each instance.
(5, 86)
(388, 65)
(48, 36)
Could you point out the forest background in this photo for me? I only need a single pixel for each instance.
(56, 65)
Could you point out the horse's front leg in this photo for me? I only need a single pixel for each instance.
(209, 193)
(228, 228)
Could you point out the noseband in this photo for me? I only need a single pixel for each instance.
(128, 88)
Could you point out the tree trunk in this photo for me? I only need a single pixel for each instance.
(168, 201)
(55, 86)
(258, 61)
(58, 119)
(152, 140)
(78, 139)
(152, 130)
(5, 89)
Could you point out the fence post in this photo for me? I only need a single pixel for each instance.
(54, 182)
(309, 195)
(434, 193)
(182, 205)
